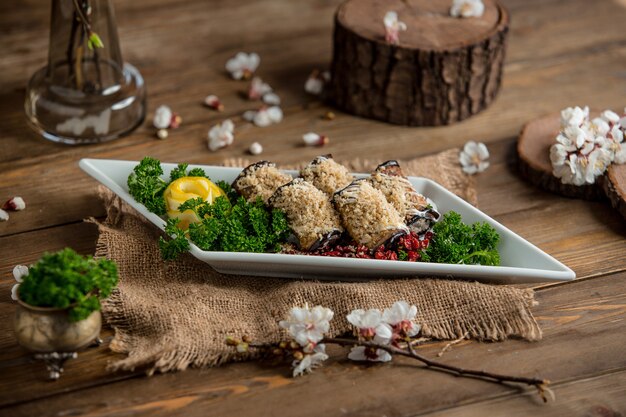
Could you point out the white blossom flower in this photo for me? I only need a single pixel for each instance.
(574, 116)
(614, 134)
(271, 98)
(598, 160)
(610, 116)
(19, 272)
(314, 85)
(310, 361)
(314, 139)
(467, 8)
(401, 317)
(371, 325)
(258, 88)
(581, 154)
(316, 82)
(4, 216)
(248, 115)
(162, 117)
(266, 116)
(255, 149)
(308, 325)
(363, 353)
(14, 290)
(221, 135)
(474, 157)
(393, 27)
(243, 65)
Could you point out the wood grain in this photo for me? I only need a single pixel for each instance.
(603, 395)
(356, 390)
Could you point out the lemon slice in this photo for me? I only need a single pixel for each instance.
(184, 189)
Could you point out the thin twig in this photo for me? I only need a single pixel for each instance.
(449, 345)
(420, 340)
(70, 46)
(540, 384)
(84, 20)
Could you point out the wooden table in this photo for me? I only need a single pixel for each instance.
(561, 53)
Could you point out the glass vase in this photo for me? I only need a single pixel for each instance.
(86, 93)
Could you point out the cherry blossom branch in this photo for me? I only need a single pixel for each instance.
(540, 384)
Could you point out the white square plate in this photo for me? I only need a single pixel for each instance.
(520, 260)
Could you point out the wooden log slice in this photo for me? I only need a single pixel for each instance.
(533, 151)
(443, 70)
(615, 187)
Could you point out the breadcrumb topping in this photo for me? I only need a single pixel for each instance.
(367, 215)
(310, 214)
(260, 179)
(326, 174)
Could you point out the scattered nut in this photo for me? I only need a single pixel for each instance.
(256, 148)
(329, 115)
(162, 134)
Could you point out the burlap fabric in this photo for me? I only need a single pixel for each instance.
(168, 316)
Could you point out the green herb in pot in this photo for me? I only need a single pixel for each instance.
(68, 280)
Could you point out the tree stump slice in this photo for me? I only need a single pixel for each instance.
(443, 70)
(533, 151)
(615, 187)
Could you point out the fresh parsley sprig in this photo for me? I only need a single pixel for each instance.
(227, 225)
(146, 185)
(455, 242)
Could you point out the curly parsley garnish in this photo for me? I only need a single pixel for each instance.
(230, 226)
(146, 185)
(455, 242)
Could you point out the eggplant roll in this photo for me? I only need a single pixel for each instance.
(398, 190)
(310, 214)
(367, 215)
(260, 179)
(326, 174)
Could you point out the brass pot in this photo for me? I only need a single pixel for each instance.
(46, 329)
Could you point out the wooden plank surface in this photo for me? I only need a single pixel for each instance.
(561, 53)
(356, 390)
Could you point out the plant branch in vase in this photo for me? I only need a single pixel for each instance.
(86, 93)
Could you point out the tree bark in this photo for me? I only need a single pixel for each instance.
(415, 85)
(615, 187)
